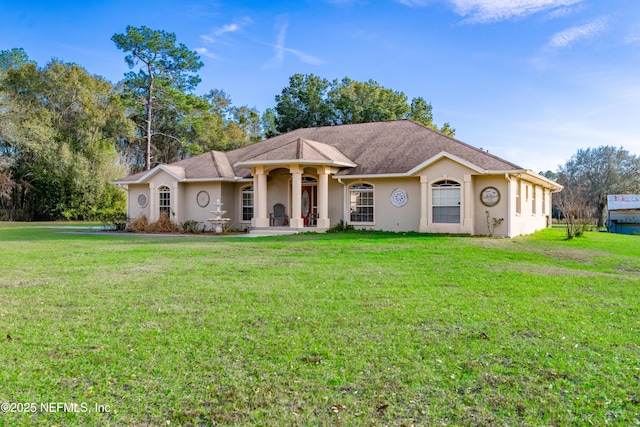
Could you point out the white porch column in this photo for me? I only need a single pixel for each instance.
(175, 206)
(296, 220)
(323, 199)
(153, 203)
(260, 197)
(468, 205)
(424, 206)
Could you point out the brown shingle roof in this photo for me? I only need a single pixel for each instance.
(301, 149)
(381, 147)
(393, 147)
(209, 165)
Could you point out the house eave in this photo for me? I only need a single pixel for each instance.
(444, 155)
(287, 162)
(535, 178)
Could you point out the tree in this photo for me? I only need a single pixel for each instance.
(311, 101)
(596, 172)
(268, 123)
(6, 181)
(422, 112)
(363, 102)
(165, 67)
(59, 128)
(303, 104)
(13, 58)
(575, 209)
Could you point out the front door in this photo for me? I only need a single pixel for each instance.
(309, 207)
(307, 204)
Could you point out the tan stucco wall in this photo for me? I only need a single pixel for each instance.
(160, 179)
(499, 211)
(525, 220)
(386, 216)
(184, 203)
(279, 190)
(190, 210)
(236, 189)
(336, 202)
(133, 210)
(446, 169)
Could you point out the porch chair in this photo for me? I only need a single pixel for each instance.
(278, 217)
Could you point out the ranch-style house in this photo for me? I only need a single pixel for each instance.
(394, 176)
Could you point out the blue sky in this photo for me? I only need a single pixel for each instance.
(532, 81)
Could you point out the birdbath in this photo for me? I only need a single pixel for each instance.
(217, 221)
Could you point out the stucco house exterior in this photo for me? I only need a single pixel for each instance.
(394, 176)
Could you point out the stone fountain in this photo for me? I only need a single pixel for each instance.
(217, 221)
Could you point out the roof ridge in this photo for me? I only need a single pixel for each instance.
(319, 150)
(215, 162)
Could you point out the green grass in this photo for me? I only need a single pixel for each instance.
(333, 329)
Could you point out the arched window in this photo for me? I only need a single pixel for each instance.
(446, 202)
(361, 202)
(164, 200)
(247, 203)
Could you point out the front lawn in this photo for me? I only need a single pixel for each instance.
(332, 329)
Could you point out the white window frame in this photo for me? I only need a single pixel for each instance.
(518, 197)
(362, 208)
(247, 189)
(164, 200)
(534, 201)
(446, 194)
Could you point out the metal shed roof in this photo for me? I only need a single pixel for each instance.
(623, 201)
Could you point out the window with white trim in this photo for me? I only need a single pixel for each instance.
(518, 197)
(446, 202)
(361, 199)
(247, 203)
(533, 200)
(544, 201)
(164, 200)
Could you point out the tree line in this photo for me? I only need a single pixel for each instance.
(66, 133)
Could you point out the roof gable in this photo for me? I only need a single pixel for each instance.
(299, 150)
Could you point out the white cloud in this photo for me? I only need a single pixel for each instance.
(572, 35)
(281, 49)
(229, 28)
(496, 10)
(207, 39)
(205, 52)
(236, 26)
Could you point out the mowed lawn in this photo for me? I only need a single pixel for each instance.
(349, 329)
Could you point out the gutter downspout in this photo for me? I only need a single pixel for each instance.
(508, 178)
(344, 201)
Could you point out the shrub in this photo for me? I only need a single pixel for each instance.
(138, 225)
(112, 219)
(192, 226)
(340, 227)
(162, 225)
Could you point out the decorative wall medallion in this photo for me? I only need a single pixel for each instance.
(143, 200)
(203, 199)
(490, 196)
(399, 197)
